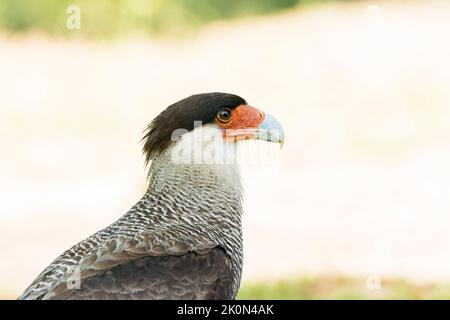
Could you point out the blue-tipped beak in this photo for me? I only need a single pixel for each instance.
(270, 130)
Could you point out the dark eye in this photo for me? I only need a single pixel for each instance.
(224, 115)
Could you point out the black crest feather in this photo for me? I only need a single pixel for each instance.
(181, 115)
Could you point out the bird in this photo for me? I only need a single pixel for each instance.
(183, 238)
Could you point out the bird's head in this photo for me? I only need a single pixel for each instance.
(206, 127)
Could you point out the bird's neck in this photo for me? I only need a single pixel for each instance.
(208, 196)
(212, 180)
(205, 199)
(207, 190)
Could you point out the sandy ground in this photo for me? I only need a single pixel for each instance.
(361, 187)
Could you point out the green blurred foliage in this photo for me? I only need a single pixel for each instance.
(336, 287)
(105, 18)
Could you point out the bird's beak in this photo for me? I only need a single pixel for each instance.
(271, 130)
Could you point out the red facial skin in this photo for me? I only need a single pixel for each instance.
(243, 123)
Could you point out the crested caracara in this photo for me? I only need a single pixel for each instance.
(183, 239)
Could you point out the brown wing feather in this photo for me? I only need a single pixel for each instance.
(188, 276)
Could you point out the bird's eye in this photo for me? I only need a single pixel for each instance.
(224, 115)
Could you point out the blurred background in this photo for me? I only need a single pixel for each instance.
(359, 206)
